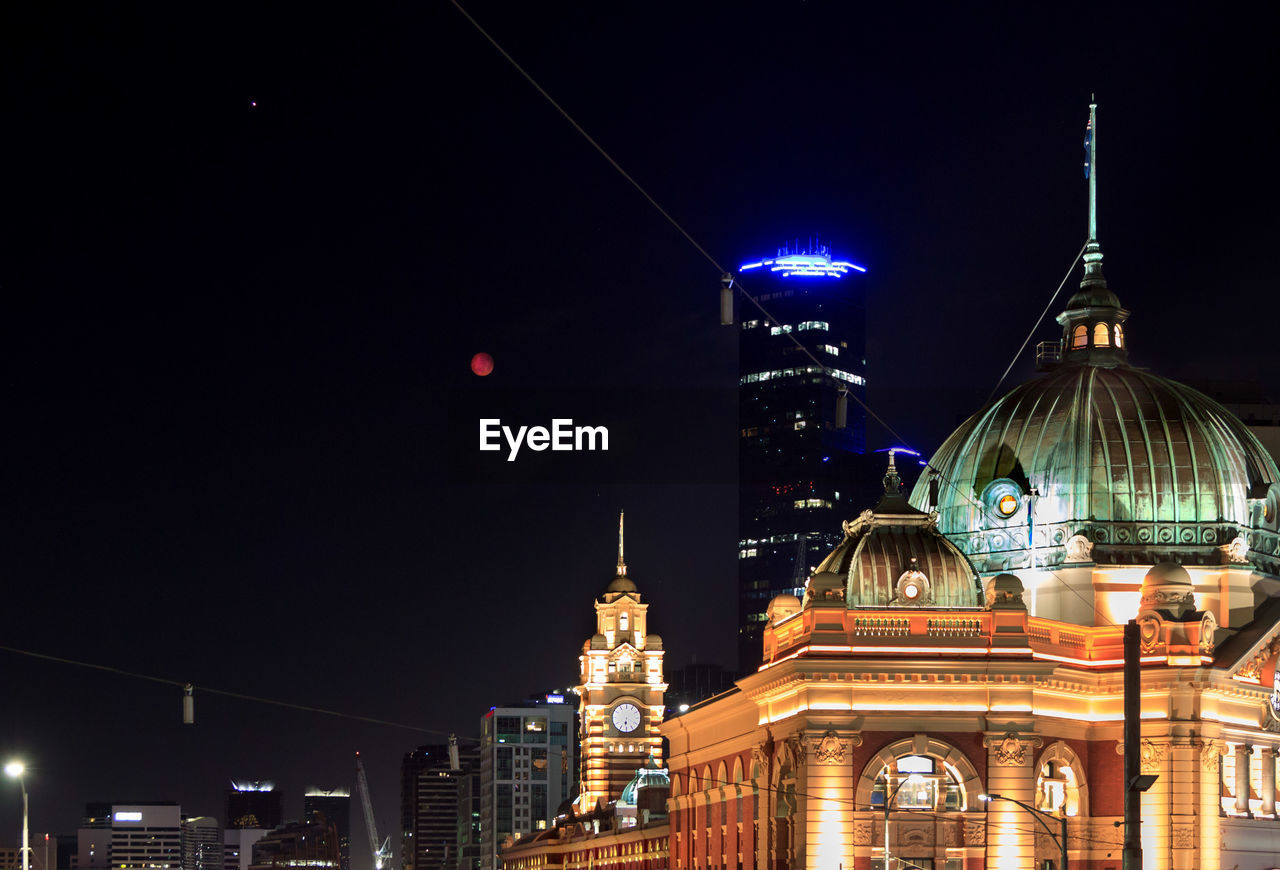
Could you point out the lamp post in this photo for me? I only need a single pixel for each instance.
(1061, 836)
(16, 769)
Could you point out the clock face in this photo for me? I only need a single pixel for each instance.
(626, 718)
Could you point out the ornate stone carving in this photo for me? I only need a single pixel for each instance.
(1210, 755)
(915, 835)
(1011, 749)
(1238, 550)
(1184, 837)
(1151, 754)
(1252, 669)
(1149, 633)
(830, 749)
(975, 834)
(794, 747)
(862, 833)
(1079, 549)
(1208, 626)
(759, 761)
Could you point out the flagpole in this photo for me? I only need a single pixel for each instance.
(1093, 174)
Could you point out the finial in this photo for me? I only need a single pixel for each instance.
(1091, 169)
(892, 482)
(622, 565)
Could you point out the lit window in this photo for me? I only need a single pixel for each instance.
(1007, 504)
(815, 324)
(834, 351)
(800, 424)
(622, 621)
(780, 330)
(1119, 336)
(1080, 336)
(750, 324)
(1101, 335)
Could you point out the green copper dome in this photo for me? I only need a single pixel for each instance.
(1139, 465)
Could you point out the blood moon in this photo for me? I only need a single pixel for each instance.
(482, 364)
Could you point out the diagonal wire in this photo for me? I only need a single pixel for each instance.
(225, 693)
(1036, 326)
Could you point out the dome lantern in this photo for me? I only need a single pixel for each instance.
(1093, 323)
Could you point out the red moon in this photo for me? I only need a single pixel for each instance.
(482, 364)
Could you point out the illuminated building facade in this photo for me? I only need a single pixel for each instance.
(973, 646)
(799, 449)
(146, 836)
(333, 805)
(621, 695)
(528, 768)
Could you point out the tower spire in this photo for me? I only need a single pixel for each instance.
(622, 565)
(1092, 250)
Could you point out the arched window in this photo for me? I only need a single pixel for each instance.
(622, 621)
(1101, 335)
(1119, 336)
(919, 774)
(1060, 785)
(1080, 336)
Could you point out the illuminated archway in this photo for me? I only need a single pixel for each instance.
(951, 783)
(1060, 782)
(1101, 335)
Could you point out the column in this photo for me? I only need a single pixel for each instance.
(1267, 758)
(1242, 751)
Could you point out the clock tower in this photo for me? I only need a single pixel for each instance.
(621, 692)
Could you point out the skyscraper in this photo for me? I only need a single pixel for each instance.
(800, 443)
(430, 808)
(527, 769)
(254, 804)
(146, 836)
(201, 844)
(335, 805)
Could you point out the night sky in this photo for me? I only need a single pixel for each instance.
(248, 255)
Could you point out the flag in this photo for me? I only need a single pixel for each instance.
(1088, 149)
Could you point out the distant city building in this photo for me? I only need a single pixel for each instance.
(298, 845)
(254, 804)
(334, 804)
(621, 691)
(430, 808)
(800, 446)
(146, 836)
(237, 847)
(528, 768)
(469, 805)
(44, 853)
(66, 850)
(201, 844)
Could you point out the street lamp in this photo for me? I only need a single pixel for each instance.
(1060, 837)
(16, 769)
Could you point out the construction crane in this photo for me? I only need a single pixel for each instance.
(381, 854)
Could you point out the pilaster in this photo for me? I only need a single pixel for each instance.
(1010, 834)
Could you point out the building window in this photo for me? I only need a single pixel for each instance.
(1080, 336)
(1101, 335)
(1119, 336)
(622, 621)
(914, 776)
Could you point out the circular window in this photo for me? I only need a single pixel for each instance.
(911, 591)
(1002, 498)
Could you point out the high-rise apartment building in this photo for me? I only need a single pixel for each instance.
(254, 804)
(201, 844)
(298, 845)
(528, 768)
(800, 443)
(334, 804)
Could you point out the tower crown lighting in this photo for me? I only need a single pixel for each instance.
(812, 261)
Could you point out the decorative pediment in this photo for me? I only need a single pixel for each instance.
(1248, 666)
